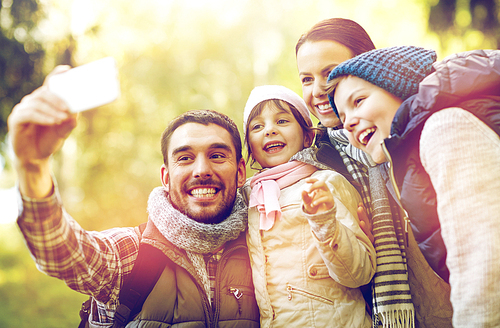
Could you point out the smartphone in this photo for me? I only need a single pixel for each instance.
(87, 86)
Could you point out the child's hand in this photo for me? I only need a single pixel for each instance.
(316, 196)
(364, 222)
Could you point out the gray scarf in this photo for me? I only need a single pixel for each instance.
(194, 237)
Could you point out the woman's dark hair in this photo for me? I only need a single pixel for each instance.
(341, 30)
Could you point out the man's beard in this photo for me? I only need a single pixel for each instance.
(219, 214)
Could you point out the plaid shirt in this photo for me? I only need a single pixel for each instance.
(212, 261)
(90, 262)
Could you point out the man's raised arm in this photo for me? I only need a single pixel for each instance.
(38, 126)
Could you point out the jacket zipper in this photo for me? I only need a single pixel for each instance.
(201, 290)
(290, 289)
(396, 190)
(222, 260)
(238, 293)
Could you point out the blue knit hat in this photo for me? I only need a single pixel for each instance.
(398, 70)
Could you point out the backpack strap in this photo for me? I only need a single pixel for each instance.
(85, 313)
(147, 270)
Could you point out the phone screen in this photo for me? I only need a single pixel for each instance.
(87, 86)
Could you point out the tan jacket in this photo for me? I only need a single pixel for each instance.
(303, 282)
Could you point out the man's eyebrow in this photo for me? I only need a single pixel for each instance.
(220, 145)
(217, 145)
(181, 149)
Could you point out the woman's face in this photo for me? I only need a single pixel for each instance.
(315, 61)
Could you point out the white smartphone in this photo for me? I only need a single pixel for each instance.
(87, 86)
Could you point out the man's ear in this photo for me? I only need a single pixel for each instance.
(164, 177)
(242, 173)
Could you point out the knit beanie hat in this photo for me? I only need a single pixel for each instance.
(398, 70)
(268, 92)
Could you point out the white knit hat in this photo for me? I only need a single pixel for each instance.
(268, 92)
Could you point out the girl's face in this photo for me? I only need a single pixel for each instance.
(367, 112)
(315, 61)
(275, 136)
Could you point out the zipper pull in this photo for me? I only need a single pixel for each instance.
(289, 289)
(236, 292)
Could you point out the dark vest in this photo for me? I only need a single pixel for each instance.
(178, 300)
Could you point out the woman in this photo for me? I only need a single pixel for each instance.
(318, 52)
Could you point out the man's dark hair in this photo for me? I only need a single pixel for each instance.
(205, 117)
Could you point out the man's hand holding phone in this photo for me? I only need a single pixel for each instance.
(40, 123)
(87, 86)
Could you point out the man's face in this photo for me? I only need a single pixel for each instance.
(367, 112)
(202, 173)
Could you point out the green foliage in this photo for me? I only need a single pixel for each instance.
(182, 60)
(466, 24)
(20, 55)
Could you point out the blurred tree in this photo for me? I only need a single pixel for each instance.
(172, 64)
(466, 24)
(21, 55)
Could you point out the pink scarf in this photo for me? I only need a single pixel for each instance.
(266, 189)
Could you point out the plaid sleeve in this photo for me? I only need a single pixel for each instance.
(90, 262)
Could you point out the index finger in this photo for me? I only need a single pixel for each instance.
(57, 70)
(318, 184)
(43, 95)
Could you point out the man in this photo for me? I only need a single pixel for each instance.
(196, 220)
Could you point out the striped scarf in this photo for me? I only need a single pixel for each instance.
(356, 163)
(392, 304)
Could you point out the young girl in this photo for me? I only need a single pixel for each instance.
(307, 251)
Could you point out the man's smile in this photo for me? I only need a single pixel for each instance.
(204, 192)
